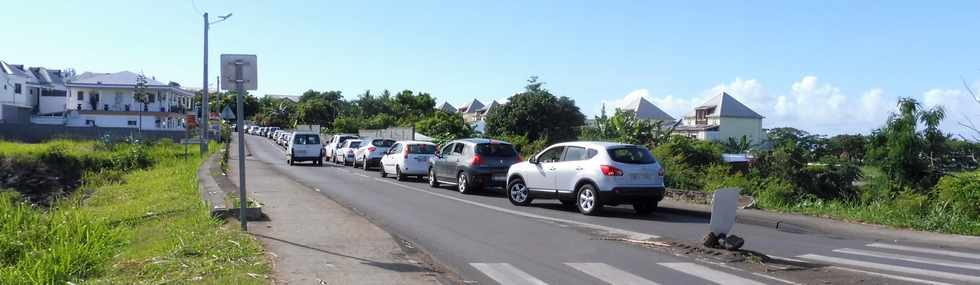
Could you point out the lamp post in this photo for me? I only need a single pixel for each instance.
(205, 109)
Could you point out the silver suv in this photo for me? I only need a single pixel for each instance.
(589, 175)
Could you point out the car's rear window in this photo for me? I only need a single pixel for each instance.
(341, 140)
(496, 149)
(632, 155)
(306, 139)
(355, 144)
(383, 143)
(421, 149)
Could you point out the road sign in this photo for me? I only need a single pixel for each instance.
(227, 114)
(249, 71)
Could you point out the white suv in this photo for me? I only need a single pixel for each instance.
(371, 151)
(589, 175)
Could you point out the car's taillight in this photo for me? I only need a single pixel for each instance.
(476, 160)
(371, 148)
(610, 170)
(660, 172)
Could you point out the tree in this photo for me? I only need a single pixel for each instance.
(443, 126)
(140, 95)
(625, 127)
(740, 146)
(537, 114)
(847, 147)
(320, 108)
(904, 154)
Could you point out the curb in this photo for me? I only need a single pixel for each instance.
(807, 224)
(208, 187)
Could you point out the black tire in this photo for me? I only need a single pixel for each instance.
(644, 208)
(433, 181)
(587, 200)
(398, 174)
(517, 193)
(381, 170)
(463, 184)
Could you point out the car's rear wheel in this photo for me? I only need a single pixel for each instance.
(398, 174)
(463, 183)
(588, 200)
(433, 181)
(645, 207)
(518, 194)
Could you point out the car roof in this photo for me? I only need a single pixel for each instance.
(480, 140)
(415, 142)
(305, 133)
(598, 144)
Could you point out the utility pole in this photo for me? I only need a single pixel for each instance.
(205, 111)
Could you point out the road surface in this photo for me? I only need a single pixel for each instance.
(483, 239)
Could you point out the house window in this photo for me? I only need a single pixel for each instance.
(90, 122)
(105, 107)
(152, 98)
(81, 96)
(79, 107)
(16, 88)
(131, 123)
(127, 107)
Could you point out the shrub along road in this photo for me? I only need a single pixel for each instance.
(485, 239)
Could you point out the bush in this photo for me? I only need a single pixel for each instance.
(961, 191)
(910, 202)
(719, 176)
(774, 192)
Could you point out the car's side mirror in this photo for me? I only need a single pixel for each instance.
(533, 160)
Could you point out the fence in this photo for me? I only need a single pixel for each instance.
(37, 133)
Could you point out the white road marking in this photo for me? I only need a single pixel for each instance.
(774, 278)
(507, 274)
(896, 277)
(925, 250)
(700, 271)
(886, 255)
(893, 268)
(609, 274)
(629, 234)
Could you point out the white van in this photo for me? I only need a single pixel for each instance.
(304, 146)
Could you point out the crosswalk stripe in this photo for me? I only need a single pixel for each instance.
(709, 274)
(926, 250)
(896, 277)
(610, 274)
(908, 258)
(507, 274)
(893, 268)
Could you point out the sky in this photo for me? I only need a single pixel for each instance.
(827, 67)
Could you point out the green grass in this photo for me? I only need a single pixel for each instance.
(147, 226)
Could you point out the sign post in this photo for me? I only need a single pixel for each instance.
(240, 70)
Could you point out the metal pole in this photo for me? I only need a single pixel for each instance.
(205, 110)
(241, 144)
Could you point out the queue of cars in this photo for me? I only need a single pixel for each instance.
(581, 175)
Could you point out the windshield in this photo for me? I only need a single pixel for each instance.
(421, 149)
(632, 155)
(382, 143)
(496, 149)
(306, 139)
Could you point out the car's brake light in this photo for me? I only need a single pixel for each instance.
(660, 172)
(610, 170)
(371, 148)
(476, 160)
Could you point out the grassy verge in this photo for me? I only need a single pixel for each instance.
(142, 226)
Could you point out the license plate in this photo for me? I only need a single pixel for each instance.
(638, 176)
(420, 159)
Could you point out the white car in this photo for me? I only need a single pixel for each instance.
(304, 146)
(271, 131)
(336, 142)
(589, 175)
(371, 151)
(284, 137)
(345, 155)
(408, 158)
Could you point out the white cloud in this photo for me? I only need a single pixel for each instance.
(960, 107)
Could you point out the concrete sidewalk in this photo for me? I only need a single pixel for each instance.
(314, 240)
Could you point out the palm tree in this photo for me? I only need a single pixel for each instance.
(140, 95)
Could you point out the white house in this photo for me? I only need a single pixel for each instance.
(30, 91)
(720, 118)
(107, 100)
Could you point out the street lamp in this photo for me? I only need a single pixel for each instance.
(205, 109)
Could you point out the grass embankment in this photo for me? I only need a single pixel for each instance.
(144, 225)
(945, 209)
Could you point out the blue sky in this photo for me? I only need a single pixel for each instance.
(825, 66)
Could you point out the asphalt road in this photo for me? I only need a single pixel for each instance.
(483, 239)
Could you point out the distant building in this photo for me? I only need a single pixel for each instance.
(29, 91)
(647, 111)
(720, 118)
(107, 100)
(448, 108)
(293, 98)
